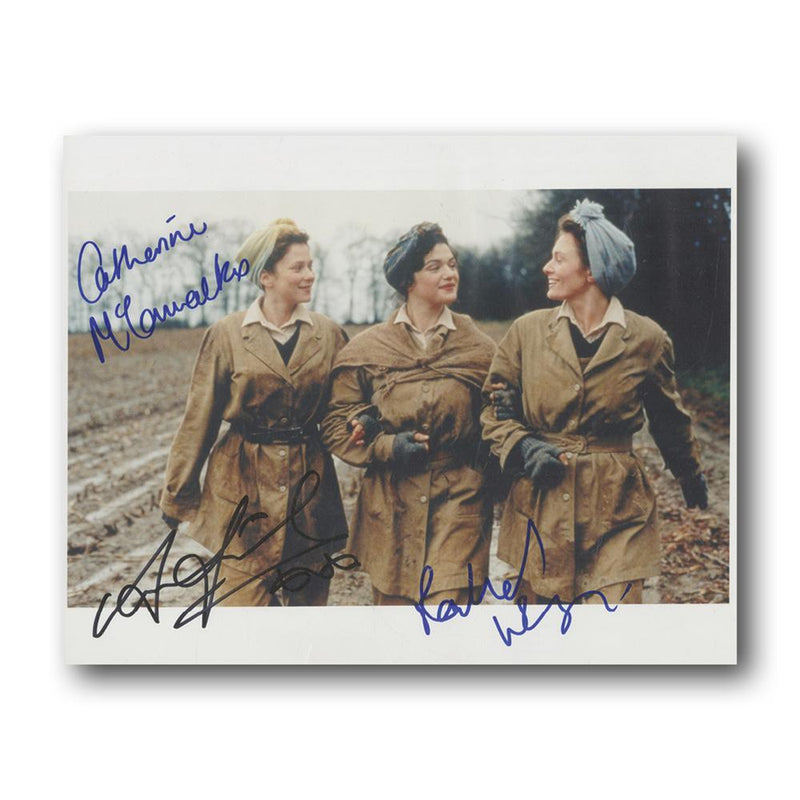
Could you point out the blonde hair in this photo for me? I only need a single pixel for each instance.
(267, 246)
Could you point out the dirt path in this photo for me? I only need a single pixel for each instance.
(123, 415)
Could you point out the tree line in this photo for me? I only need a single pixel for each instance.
(683, 254)
(683, 280)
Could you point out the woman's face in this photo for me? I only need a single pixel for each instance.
(567, 275)
(437, 282)
(292, 277)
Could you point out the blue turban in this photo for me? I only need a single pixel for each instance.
(612, 256)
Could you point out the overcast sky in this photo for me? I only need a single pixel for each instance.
(467, 217)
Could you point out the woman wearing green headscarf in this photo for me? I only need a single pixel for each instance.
(570, 386)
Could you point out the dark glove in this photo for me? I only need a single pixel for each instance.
(371, 426)
(171, 521)
(695, 491)
(405, 451)
(541, 462)
(507, 404)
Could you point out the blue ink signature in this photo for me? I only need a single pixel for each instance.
(149, 318)
(121, 258)
(449, 609)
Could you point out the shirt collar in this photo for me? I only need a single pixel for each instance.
(445, 318)
(255, 314)
(615, 315)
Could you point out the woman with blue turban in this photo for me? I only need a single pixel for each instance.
(570, 386)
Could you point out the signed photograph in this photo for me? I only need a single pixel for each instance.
(400, 400)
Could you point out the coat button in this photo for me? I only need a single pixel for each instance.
(282, 452)
(282, 488)
(284, 420)
(569, 456)
(424, 426)
(565, 496)
(425, 387)
(577, 387)
(423, 499)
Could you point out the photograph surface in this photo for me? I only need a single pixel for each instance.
(400, 400)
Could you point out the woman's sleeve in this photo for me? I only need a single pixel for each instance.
(669, 422)
(339, 340)
(208, 395)
(504, 435)
(350, 394)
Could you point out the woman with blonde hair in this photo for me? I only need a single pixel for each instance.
(266, 372)
(570, 387)
(405, 404)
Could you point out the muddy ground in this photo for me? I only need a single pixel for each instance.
(123, 414)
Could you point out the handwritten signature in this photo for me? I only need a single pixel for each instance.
(122, 259)
(143, 324)
(131, 598)
(448, 609)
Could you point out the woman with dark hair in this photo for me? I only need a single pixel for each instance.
(570, 387)
(266, 372)
(405, 404)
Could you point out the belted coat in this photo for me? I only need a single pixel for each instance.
(239, 377)
(439, 513)
(598, 526)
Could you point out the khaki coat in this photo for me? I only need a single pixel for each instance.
(439, 514)
(240, 377)
(598, 526)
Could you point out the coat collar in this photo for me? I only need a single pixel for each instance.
(611, 348)
(559, 340)
(308, 346)
(256, 340)
(615, 313)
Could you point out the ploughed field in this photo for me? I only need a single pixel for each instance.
(122, 416)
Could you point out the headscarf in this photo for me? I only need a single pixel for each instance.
(612, 256)
(404, 259)
(259, 245)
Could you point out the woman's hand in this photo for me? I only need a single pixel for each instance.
(171, 522)
(544, 464)
(409, 447)
(695, 491)
(507, 402)
(365, 429)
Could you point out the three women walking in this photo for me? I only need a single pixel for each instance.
(408, 400)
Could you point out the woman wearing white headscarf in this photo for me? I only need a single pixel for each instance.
(266, 372)
(570, 387)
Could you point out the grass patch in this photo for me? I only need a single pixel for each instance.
(713, 383)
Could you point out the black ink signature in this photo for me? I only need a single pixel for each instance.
(207, 572)
(448, 609)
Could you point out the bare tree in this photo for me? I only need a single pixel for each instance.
(319, 296)
(365, 255)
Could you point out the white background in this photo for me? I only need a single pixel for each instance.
(613, 67)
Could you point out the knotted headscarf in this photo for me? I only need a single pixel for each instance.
(259, 246)
(405, 258)
(612, 256)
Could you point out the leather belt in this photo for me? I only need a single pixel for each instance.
(574, 443)
(297, 434)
